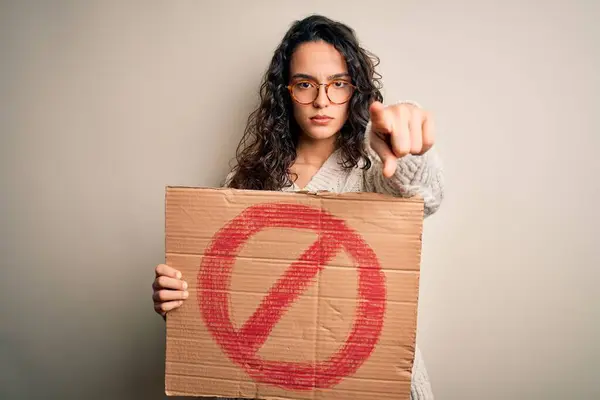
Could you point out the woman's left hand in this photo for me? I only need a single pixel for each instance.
(399, 130)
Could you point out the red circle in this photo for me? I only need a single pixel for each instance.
(213, 295)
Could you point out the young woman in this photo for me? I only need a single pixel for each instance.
(321, 126)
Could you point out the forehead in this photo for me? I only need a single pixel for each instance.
(319, 59)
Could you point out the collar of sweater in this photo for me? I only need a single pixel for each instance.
(326, 178)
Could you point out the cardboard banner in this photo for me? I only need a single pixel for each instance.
(293, 295)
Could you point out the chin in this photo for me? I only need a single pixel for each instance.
(320, 133)
(321, 136)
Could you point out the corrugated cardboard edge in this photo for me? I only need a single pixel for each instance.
(370, 196)
(265, 193)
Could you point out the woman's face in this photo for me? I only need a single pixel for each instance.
(319, 63)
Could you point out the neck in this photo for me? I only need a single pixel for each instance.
(314, 152)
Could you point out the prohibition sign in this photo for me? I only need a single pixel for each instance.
(242, 345)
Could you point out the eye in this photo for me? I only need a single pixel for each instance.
(304, 85)
(340, 84)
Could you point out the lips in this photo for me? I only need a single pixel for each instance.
(321, 118)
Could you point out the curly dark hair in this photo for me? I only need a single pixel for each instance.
(267, 149)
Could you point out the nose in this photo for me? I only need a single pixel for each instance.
(322, 100)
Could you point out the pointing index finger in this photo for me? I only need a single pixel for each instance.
(385, 154)
(380, 119)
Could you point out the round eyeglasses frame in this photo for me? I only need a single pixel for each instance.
(318, 85)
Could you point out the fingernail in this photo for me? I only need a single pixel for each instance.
(178, 275)
(185, 285)
(186, 294)
(181, 302)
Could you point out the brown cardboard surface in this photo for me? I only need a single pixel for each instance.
(292, 295)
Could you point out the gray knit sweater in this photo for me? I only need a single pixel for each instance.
(421, 175)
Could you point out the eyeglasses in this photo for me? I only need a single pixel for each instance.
(306, 92)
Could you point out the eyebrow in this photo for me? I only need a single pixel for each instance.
(336, 76)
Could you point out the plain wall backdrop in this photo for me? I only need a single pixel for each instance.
(103, 104)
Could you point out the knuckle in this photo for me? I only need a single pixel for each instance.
(404, 150)
(404, 111)
(162, 281)
(416, 115)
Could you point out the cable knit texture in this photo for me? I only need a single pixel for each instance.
(415, 175)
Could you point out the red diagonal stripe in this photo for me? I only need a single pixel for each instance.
(285, 291)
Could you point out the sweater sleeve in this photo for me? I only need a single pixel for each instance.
(227, 180)
(420, 388)
(415, 175)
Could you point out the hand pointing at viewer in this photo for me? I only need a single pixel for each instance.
(169, 290)
(399, 130)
